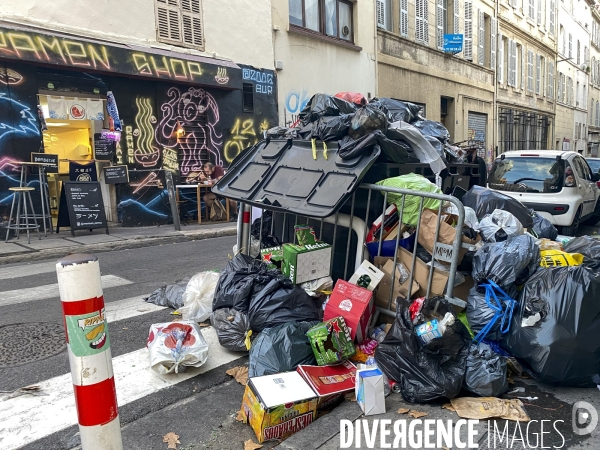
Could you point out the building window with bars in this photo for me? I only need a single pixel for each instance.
(180, 22)
(522, 130)
(331, 18)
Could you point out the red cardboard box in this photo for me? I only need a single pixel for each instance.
(354, 304)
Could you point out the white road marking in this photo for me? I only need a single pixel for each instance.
(25, 419)
(7, 273)
(129, 307)
(50, 291)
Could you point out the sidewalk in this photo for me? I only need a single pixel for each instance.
(97, 240)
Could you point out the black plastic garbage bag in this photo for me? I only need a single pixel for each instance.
(439, 147)
(433, 129)
(281, 349)
(232, 327)
(325, 105)
(350, 148)
(366, 120)
(241, 280)
(486, 373)
(586, 245)
(508, 262)
(481, 315)
(484, 201)
(425, 372)
(542, 227)
(556, 326)
(307, 130)
(330, 128)
(399, 152)
(267, 240)
(397, 110)
(280, 302)
(170, 295)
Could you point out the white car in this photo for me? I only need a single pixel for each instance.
(558, 185)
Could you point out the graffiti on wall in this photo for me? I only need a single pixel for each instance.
(295, 101)
(243, 134)
(146, 153)
(263, 80)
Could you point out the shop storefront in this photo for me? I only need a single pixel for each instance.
(175, 112)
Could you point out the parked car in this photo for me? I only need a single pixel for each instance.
(594, 164)
(558, 185)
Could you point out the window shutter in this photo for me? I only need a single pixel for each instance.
(550, 80)
(167, 14)
(500, 71)
(570, 55)
(509, 69)
(481, 38)
(468, 50)
(439, 16)
(191, 19)
(456, 16)
(532, 9)
(404, 18)
(597, 113)
(539, 13)
(560, 88)
(530, 70)
(552, 16)
(381, 13)
(493, 44)
(514, 63)
(522, 67)
(538, 73)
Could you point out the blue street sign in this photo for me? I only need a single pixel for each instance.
(453, 43)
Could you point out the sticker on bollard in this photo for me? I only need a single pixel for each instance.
(87, 333)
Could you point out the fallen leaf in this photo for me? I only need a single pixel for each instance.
(416, 414)
(171, 439)
(448, 406)
(241, 417)
(250, 445)
(351, 397)
(403, 410)
(240, 373)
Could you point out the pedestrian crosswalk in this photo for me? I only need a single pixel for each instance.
(26, 419)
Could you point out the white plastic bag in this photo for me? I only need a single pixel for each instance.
(470, 215)
(499, 226)
(198, 296)
(173, 346)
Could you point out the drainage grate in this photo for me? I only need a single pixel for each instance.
(23, 343)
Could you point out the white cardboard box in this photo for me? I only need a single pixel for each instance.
(366, 268)
(369, 391)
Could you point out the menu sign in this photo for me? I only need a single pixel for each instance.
(81, 206)
(46, 158)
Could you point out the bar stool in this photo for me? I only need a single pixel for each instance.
(46, 215)
(21, 195)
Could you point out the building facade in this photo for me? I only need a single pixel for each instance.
(188, 91)
(526, 74)
(322, 46)
(573, 69)
(455, 89)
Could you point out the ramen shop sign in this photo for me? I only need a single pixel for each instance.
(94, 56)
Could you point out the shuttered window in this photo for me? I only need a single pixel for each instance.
(531, 9)
(550, 80)
(440, 18)
(381, 14)
(539, 12)
(552, 16)
(522, 67)
(500, 71)
(597, 113)
(530, 70)
(180, 22)
(456, 16)
(560, 87)
(404, 18)
(468, 50)
(493, 32)
(512, 63)
(570, 45)
(538, 73)
(481, 38)
(422, 21)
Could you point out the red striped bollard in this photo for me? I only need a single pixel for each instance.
(89, 352)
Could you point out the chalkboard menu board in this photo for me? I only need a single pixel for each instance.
(47, 158)
(116, 174)
(81, 207)
(104, 149)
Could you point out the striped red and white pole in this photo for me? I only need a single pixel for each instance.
(89, 352)
(244, 239)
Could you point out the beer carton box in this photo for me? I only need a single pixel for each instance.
(331, 341)
(273, 257)
(305, 235)
(276, 406)
(367, 276)
(354, 304)
(330, 383)
(306, 262)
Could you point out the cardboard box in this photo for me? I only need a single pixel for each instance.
(273, 256)
(369, 391)
(329, 382)
(306, 262)
(421, 274)
(278, 405)
(305, 235)
(331, 341)
(354, 304)
(400, 290)
(368, 269)
(446, 236)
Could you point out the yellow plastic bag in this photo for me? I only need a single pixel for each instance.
(557, 258)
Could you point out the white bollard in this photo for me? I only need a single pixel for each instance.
(88, 345)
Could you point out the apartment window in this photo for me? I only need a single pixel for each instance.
(591, 118)
(586, 55)
(552, 19)
(512, 63)
(597, 113)
(456, 22)
(550, 80)
(500, 69)
(384, 14)
(578, 52)
(329, 17)
(422, 21)
(481, 38)
(570, 45)
(180, 22)
(577, 94)
(563, 39)
(530, 71)
(561, 88)
(540, 12)
(539, 74)
(441, 22)
(521, 62)
(531, 9)
(248, 97)
(569, 91)
(492, 64)
(468, 47)
(404, 18)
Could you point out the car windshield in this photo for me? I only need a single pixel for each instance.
(594, 165)
(527, 174)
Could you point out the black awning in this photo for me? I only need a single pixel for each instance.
(24, 43)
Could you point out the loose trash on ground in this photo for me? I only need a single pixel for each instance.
(233, 329)
(482, 408)
(198, 296)
(331, 341)
(330, 383)
(486, 372)
(170, 295)
(369, 391)
(499, 226)
(174, 346)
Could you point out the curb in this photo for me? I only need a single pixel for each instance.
(136, 242)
